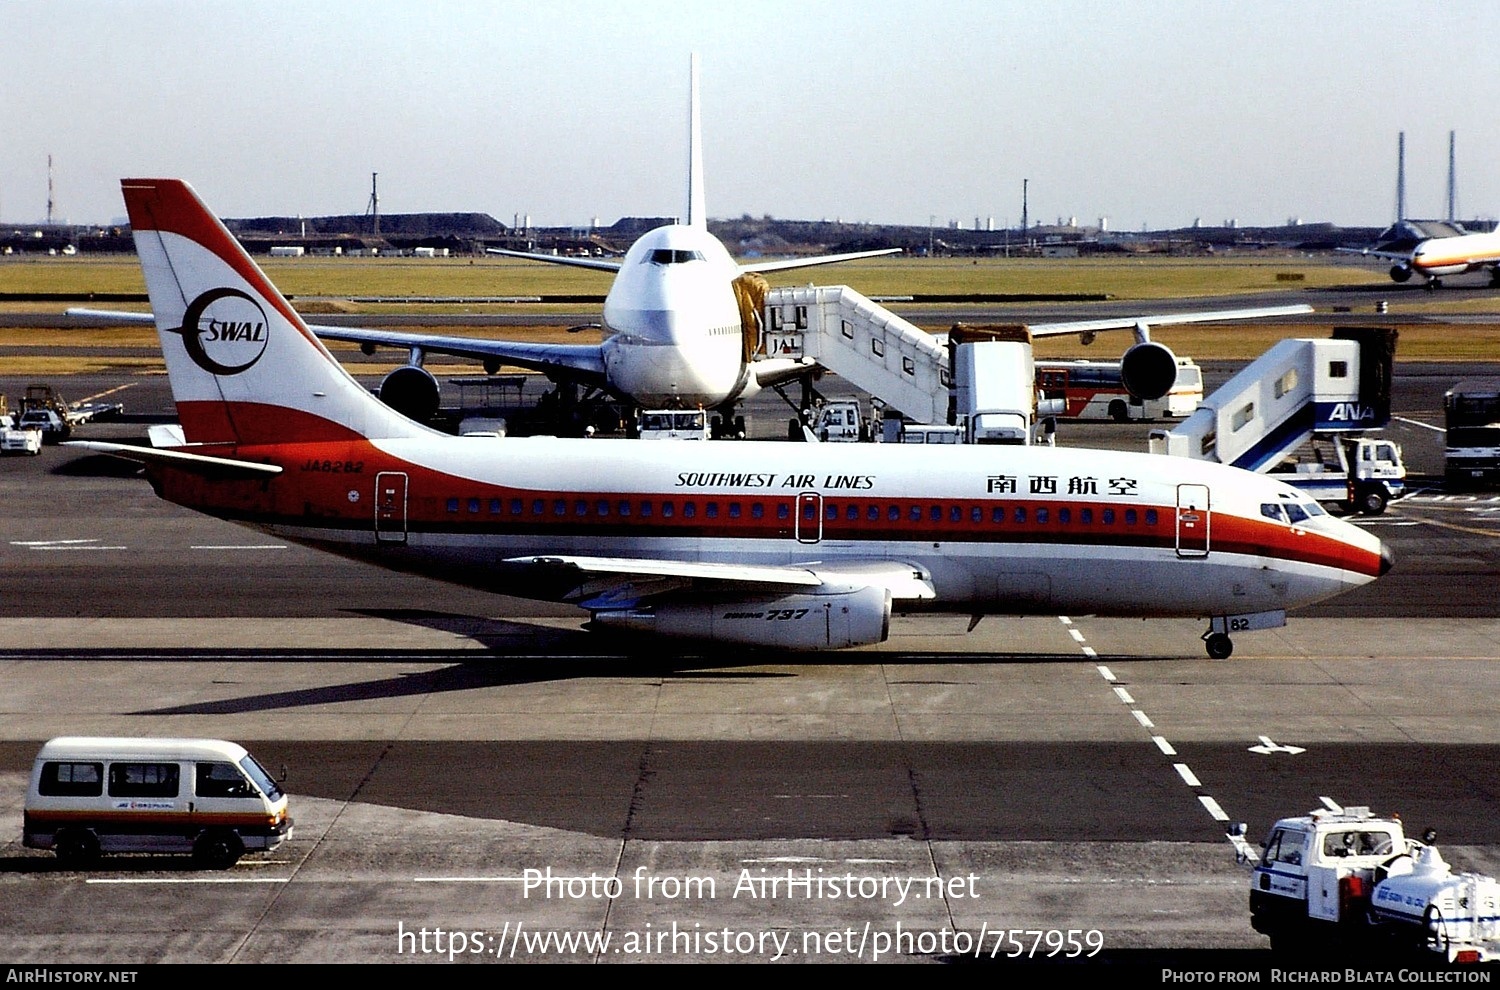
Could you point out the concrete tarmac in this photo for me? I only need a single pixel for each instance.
(930, 799)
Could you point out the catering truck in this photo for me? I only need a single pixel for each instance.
(1344, 879)
(205, 797)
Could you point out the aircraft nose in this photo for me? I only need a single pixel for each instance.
(1387, 558)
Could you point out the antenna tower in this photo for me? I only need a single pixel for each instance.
(1452, 179)
(1401, 177)
(372, 209)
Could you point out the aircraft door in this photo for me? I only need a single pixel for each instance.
(390, 507)
(1192, 520)
(809, 520)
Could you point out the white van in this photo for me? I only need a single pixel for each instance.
(207, 797)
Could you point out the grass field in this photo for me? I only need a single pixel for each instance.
(320, 285)
(1133, 278)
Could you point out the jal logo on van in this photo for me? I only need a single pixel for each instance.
(225, 331)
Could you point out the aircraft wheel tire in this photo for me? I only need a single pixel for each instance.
(76, 847)
(1219, 646)
(218, 850)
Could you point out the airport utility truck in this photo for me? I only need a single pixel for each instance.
(1347, 880)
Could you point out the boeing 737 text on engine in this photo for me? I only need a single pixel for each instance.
(698, 541)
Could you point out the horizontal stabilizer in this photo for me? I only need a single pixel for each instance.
(204, 464)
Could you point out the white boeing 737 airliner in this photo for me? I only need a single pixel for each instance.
(766, 544)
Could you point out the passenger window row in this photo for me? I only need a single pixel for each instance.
(992, 513)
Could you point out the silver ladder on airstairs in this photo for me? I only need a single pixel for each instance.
(1297, 388)
(857, 339)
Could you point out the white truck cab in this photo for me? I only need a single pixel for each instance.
(1349, 880)
(207, 797)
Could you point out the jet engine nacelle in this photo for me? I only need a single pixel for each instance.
(1148, 370)
(1400, 273)
(412, 392)
(832, 620)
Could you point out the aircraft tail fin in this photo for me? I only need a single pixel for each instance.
(244, 367)
(697, 209)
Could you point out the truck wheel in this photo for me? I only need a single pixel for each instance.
(1372, 502)
(1118, 411)
(76, 847)
(218, 850)
(1219, 646)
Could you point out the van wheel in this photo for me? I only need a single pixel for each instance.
(76, 847)
(218, 850)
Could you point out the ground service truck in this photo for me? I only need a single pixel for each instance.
(1344, 880)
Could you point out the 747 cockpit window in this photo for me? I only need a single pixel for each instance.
(667, 256)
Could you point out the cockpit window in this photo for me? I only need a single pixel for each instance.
(667, 256)
(1295, 512)
(1272, 511)
(1314, 509)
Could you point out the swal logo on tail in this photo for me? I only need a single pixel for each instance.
(224, 331)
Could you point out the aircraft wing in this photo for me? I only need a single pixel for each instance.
(1373, 253)
(580, 361)
(785, 264)
(598, 264)
(1165, 319)
(616, 582)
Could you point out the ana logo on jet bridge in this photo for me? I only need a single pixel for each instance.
(224, 331)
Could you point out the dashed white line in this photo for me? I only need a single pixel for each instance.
(239, 546)
(1213, 807)
(1124, 696)
(1106, 673)
(1140, 717)
(1187, 775)
(1164, 746)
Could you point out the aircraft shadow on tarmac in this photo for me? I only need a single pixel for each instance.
(489, 672)
(97, 466)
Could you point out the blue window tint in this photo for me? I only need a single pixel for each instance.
(1150, 517)
(453, 505)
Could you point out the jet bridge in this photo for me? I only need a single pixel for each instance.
(1297, 388)
(857, 339)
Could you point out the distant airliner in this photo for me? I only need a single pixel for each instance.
(1432, 249)
(792, 546)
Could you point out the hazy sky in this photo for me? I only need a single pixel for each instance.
(1148, 112)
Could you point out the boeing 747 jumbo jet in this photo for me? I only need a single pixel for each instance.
(677, 329)
(1432, 249)
(674, 327)
(764, 544)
